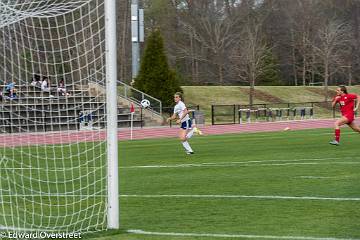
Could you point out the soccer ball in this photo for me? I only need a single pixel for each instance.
(145, 103)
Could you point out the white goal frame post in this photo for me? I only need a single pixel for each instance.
(111, 99)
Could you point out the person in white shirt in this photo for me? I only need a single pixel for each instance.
(44, 85)
(61, 89)
(182, 113)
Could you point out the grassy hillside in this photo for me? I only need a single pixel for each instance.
(205, 96)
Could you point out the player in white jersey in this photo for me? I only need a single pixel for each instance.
(182, 113)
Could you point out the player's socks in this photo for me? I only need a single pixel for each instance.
(337, 135)
(190, 133)
(187, 146)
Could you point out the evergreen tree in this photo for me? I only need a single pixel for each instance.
(270, 75)
(155, 76)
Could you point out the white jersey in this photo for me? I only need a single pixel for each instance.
(44, 85)
(179, 110)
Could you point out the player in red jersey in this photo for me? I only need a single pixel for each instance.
(346, 101)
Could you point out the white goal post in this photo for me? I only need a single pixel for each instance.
(56, 176)
(112, 146)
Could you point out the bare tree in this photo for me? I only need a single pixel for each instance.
(250, 55)
(332, 42)
(200, 36)
(303, 22)
(124, 40)
(210, 37)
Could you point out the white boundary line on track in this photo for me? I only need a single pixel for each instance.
(269, 197)
(141, 232)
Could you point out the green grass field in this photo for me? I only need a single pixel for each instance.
(282, 185)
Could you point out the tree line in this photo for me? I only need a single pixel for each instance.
(252, 42)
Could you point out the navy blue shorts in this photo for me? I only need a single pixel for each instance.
(186, 125)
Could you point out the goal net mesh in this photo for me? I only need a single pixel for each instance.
(53, 116)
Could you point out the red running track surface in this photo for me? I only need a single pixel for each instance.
(26, 139)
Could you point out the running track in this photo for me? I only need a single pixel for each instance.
(25, 139)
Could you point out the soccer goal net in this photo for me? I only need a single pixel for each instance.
(53, 152)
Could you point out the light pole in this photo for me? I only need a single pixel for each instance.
(137, 35)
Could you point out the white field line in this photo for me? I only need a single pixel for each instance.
(249, 137)
(141, 232)
(189, 165)
(247, 163)
(217, 164)
(244, 165)
(320, 177)
(320, 163)
(269, 197)
(242, 197)
(9, 228)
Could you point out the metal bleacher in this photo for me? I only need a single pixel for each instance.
(36, 111)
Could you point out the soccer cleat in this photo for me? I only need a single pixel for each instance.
(197, 131)
(189, 153)
(334, 142)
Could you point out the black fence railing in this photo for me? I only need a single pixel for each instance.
(232, 114)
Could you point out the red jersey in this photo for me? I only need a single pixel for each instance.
(346, 102)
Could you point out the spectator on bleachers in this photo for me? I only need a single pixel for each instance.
(45, 86)
(2, 90)
(62, 89)
(36, 81)
(11, 90)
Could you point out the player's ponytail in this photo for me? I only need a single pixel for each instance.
(343, 89)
